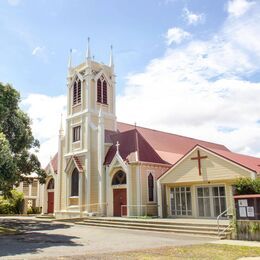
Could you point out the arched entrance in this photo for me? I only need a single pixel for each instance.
(50, 193)
(119, 194)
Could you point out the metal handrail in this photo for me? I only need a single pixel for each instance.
(218, 217)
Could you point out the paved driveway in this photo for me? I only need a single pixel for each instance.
(44, 239)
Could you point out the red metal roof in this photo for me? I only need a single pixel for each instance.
(78, 163)
(249, 162)
(133, 147)
(170, 147)
(247, 196)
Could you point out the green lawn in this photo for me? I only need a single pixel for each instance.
(198, 252)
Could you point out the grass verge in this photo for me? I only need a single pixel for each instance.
(195, 252)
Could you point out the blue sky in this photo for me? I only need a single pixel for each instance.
(135, 28)
(190, 66)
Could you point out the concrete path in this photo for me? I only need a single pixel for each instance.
(237, 243)
(44, 239)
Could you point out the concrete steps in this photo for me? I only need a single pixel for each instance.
(46, 216)
(199, 229)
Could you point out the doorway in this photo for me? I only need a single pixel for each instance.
(119, 196)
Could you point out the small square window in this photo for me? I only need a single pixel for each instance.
(76, 134)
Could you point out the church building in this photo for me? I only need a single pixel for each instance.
(109, 168)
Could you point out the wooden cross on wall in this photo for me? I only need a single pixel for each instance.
(199, 158)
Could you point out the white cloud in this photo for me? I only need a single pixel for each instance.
(203, 89)
(38, 50)
(239, 7)
(192, 18)
(14, 2)
(45, 112)
(176, 35)
(42, 53)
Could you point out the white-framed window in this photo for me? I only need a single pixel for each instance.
(180, 201)
(76, 92)
(76, 133)
(102, 90)
(151, 186)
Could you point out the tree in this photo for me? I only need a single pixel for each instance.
(17, 144)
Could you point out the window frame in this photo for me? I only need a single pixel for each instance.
(76, 136)
(122, 180)
(154, 186)
(51, 184)
(74, 193)
(102, 90)
(76, 92)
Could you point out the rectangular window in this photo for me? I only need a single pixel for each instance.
(211, 201)
(180, 201)
(76, 134)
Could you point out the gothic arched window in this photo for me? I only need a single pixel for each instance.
(102, 90)
(150, 187)
(75, 183)
(119, 178)
(77, 91)
(50, 184)
(99, 91)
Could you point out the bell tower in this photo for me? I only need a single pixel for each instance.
(90, 111)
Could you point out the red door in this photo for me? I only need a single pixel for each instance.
(119, 200)
(50, 202)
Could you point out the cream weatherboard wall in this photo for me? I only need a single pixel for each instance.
(156, 170)
(215, 171)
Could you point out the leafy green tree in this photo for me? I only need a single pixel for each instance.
(17, 144)
(247, 186)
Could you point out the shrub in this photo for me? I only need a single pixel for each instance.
(13, 204)
(5, 207)
(247, 186)
(34, 210)
(17, 201)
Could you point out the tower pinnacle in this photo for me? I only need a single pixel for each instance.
(88, 53)
(61, 131)
(111, 62)
(70, 60)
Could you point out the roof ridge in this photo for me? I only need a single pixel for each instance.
(168, 133)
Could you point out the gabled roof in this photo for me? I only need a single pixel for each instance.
(74, 159)
(133, 148)
(78, 163)
(54, 163)
(170, 147)
(249, 162)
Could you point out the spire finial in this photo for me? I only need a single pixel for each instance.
(70, 60)
(88, 53)
(117, 146)
(61, 125)
(111, 62)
